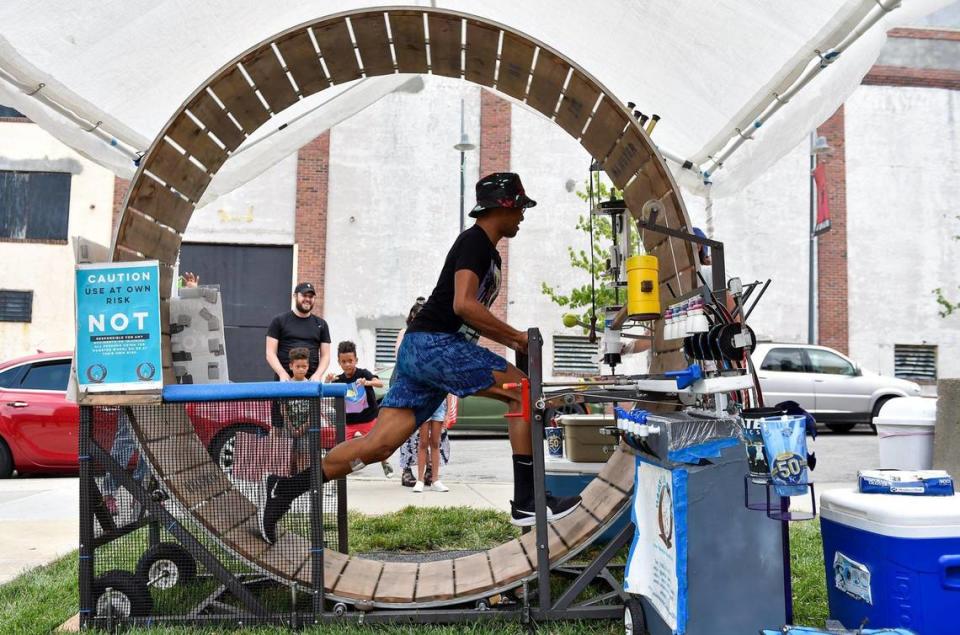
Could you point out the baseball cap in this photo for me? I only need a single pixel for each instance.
(305, 287)
(500, 189)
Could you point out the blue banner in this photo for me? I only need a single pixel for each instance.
(118, 327)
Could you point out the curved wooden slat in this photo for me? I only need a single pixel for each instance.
(208, 111)
(548, 77)
(398, 583)
(577, 105)
(604, 130)
(240, 99)
(409, 41)
(337, 50)
(481, 53)
(373, 43)
(198, 144)
(445, 45)
(303, 62)
(267, 74)
(516, 61)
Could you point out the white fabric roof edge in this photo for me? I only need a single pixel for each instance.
(107, 99)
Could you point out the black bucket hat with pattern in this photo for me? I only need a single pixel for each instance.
(500, 189)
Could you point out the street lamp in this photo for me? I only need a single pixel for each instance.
(463, 147)
(818, 146)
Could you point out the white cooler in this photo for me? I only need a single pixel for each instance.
(905, 431)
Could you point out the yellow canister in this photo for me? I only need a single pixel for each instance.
(643, 292)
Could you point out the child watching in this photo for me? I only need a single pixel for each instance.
(296, 412)
(360, 402)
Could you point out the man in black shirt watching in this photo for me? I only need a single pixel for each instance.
(439, 355)
(299, 328)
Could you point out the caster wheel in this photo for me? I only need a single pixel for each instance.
(634, 620)
(339, 609)
(121, 594)
(483, 605)
(166, 565)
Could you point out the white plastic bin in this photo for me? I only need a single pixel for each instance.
(905, 431)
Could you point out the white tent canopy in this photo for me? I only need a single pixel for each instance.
(104, 77)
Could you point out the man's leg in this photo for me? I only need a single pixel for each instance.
(393, 427)
(521, 442)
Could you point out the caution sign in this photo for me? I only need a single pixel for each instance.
(118, 327)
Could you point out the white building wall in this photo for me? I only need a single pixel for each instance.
(261, 212)
(393, 206)
(903, 156)
(47, 269)
(553, 166)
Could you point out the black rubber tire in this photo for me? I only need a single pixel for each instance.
(876, 409)
(840, 428)
(130, 596)
(6, 460)
(634, 619)
(171, 558)
(221, 448)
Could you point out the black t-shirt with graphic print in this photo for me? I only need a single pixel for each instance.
(472, 250)
(292, 331)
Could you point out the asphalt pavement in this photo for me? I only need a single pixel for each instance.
(39, 516)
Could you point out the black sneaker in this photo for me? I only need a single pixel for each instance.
(268, 514)
(557, 507)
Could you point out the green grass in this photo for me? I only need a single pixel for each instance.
(41, 599)
(806, 567)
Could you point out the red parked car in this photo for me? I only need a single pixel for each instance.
(39, 427)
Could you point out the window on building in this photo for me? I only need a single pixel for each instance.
(915, 361)
(34, 205)
(10, 113)
(47, 376)
(16, 306)
(574, 356)
(830, 363)
(386, 346)
(785, 360)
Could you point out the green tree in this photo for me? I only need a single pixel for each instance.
(579, 300)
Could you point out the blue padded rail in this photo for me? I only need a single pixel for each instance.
(252, 390)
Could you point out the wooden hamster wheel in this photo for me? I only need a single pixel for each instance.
(233, 104)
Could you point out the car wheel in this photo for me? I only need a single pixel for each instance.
(840, 427)
(876, 410)
(222, 447)
(6, 460)
(121, 594)
(166, 565)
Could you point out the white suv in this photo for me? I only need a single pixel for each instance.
(832, 387)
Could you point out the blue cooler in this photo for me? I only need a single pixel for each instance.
(892, 560)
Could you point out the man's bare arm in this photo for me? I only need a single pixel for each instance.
(471, 311)
(274, 361)
(324, 362)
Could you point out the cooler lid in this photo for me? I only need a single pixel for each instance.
(894, 514)
(908, 411)
(587, 420)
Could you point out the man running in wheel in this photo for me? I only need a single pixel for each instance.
(440, 355)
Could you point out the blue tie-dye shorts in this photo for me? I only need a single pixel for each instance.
(432, 365)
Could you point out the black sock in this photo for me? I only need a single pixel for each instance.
(523, 480)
